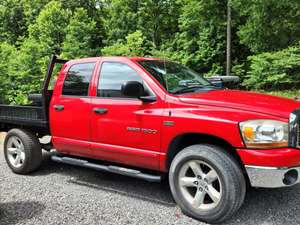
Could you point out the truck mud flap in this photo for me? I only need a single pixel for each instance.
(112, 169)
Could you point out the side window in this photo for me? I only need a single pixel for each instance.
(78, 79)
(112, 76)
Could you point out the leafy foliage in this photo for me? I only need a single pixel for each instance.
(12, 23)
(49, 30)
(7, 51)
(200, 43)
(80, 34)
(265, 37)
(134, 46)
(27, 65)
(26, 72)
(158, 20)
(270, 24)
(275, 70)
(119, 25)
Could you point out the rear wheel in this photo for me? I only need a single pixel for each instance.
(207, 183)
(22, 150)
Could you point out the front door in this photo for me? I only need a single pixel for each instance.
(70, 111)
(124, 130)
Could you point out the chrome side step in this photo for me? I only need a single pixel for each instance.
(111, 169)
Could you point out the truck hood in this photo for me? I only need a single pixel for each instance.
(243, 100)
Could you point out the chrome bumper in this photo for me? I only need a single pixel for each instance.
(273, 177)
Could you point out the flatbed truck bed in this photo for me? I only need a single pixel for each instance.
(35, 116)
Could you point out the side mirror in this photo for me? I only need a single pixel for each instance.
(133, 89)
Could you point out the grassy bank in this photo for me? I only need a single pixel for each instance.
(287, 94)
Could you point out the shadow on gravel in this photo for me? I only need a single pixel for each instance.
(16, 212)
(270, 206)
(261, 206)
(158, 193)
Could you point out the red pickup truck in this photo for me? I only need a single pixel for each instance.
(147, 118)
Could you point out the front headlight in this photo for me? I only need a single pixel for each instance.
(265, 133)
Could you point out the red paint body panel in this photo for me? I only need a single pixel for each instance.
(126, 155)
(70, 128)
(283, 157)
(248, 101)
(112, 129)
(79, 131)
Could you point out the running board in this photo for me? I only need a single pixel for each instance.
(111, 169)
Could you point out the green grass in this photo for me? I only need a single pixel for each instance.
(287, 93)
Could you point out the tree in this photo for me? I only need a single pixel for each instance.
(268, 25)
(12, 22)
(134, 46)
(92, 7)
(49, 30)
(120, 19)
(192, 32)
(80, 36)
(158, 20)
(200, 42)
(95, 11)
(7, 52)
(228, 41)
(32, 9)
(275, 70)
(30, 61)
(27, 72)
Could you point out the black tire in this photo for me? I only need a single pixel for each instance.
(230, 179)
(32, 151)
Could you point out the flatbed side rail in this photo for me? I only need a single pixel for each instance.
(23, 115)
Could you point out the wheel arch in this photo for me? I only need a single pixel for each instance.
(40, 132)
(187, 139)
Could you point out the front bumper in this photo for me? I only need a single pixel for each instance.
(271, 168)
(274, 168)
(272, 177)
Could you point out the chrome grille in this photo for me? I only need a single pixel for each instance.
(298, 134)
(294, 127)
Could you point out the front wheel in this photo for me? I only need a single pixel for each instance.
(207, 183)
(22, 151)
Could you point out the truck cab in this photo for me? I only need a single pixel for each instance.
(148, 117)
(91, 116)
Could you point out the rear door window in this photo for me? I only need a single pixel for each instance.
(78, 79)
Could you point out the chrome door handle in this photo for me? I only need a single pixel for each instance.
(59, 107)
(100, 111)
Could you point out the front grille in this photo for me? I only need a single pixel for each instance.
(298, 134)
(294, 129)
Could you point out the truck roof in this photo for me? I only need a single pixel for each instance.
(114, 58)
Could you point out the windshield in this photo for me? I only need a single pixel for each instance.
(175, 78)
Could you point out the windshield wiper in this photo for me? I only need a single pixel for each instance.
(187, 89)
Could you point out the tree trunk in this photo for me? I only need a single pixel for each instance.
(228, 49)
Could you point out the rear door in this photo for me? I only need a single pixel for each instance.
(70, 110)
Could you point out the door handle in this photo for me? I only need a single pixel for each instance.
(100, 110)
(59, 107)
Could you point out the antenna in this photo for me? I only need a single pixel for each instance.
(166, 81)
(165, 68)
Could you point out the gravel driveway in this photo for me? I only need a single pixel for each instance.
(62, 194)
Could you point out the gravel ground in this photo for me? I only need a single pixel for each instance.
(62, 194)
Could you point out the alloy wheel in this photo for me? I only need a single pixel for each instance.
(200, 185)
(15, 152)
